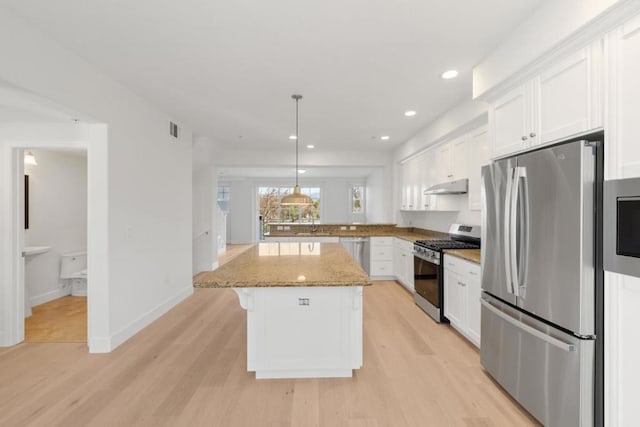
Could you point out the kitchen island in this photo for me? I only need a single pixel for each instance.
(304, 308)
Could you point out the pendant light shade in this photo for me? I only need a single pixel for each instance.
(296, 198)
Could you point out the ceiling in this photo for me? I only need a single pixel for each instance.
(228, 68)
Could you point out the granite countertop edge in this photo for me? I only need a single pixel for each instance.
(471, 255)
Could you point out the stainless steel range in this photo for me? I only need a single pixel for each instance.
(427, 270)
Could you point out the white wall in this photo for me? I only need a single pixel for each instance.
(376, 200)
(440, 221)
(57, 218)
(204, 211)
(243, 215)
(149, 180)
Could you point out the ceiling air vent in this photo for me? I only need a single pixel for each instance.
(173, 129)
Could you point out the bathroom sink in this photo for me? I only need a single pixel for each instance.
(35, 250)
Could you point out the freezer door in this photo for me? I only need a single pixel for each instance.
(495, 259)
(555, 236)
(547, 371)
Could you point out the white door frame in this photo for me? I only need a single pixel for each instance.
(14, 138)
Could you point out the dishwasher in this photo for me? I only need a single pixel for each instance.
(359, 249)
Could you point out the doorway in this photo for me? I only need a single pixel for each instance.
(14, 140)
(55, 239)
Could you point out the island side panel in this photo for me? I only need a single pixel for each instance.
(304, 332)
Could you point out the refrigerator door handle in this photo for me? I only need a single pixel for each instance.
(513, 237)
(507, 232)
(526, 328)
(523, 262)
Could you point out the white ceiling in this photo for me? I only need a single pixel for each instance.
(228, 68)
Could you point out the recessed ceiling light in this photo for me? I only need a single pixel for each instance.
(450, 74)
(311, 146)
(384, 138)
(293, 137)
(302, 170)
(410, 113)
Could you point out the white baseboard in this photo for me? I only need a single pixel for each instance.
(49, 296)
(108, 344)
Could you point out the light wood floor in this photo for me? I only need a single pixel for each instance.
(189, 368)
(60, 320)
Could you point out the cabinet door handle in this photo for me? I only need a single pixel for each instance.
(524, 137)
(532, 134)
(461, 284)
(472, 273)
(450, 263)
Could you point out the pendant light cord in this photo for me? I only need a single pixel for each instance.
(297, 98)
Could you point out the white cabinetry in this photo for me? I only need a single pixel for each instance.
(403, 262)
(302, 332)
(412, 175)
(564, 99)
(381, 262)
(462, 296)
(623, 127)
(622, 293)
(478, 152)
(451, 160)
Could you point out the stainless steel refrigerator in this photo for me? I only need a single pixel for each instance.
(540, 263)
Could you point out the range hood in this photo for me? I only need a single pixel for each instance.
(460, 186)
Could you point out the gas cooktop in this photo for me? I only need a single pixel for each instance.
(437, 245)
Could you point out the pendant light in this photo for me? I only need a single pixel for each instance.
(296, 198)
(30, 159)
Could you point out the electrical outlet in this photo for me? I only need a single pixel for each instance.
(352, 227)
(287, 228)
(343, 227)
(279, 228)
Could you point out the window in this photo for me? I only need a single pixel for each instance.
(224, 194)
(271, 211)
(357, 199)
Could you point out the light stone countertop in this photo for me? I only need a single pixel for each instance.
(472, 255)
(287, 264)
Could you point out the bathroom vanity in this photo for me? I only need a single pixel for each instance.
(304, 308)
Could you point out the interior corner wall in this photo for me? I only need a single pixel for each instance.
(205, 247)
(57, 218)
(149, 178)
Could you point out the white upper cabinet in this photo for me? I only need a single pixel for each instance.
(443, 164)
(478, 156)
(623, 108)
(510, 120)
(564, 99)
(568, 96)
(451, 161)
(459, 159)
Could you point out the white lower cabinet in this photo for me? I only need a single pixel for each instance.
(403, 262)
(303, 332)
(381, 261)
(462, 296)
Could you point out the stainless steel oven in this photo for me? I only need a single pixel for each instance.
(622, 226)
(427, 268)
(427, 282)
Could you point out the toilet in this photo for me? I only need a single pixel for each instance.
(73, 268)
